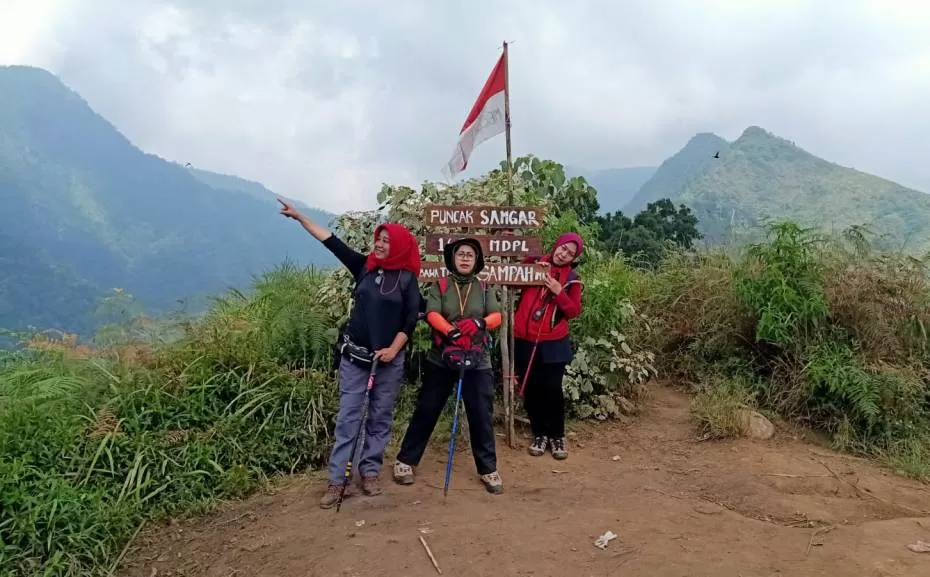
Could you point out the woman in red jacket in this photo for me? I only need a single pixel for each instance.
(543, 346)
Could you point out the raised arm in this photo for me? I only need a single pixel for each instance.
(349, 257)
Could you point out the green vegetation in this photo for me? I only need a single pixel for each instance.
(646, 237)
(823, 331)
(85, 211)
(165, 418)
(761, 178)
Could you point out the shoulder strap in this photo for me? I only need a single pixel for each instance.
(443, 285)
(484, 295)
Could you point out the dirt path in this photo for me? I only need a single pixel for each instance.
(679, 508)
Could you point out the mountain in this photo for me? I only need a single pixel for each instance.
(678, 170)
(255, 190)
(762, 176)
(88, 211)
(615, 186)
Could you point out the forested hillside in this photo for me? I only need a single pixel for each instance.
(765, 177)
(88, 212)
(735, 188)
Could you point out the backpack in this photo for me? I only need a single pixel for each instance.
(453, 355)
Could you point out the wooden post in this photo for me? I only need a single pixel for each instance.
(507, 343)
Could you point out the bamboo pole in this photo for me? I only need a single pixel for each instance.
(507, 339)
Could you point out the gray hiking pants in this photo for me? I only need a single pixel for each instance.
(377, 431)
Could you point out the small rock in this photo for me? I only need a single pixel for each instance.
(758, 427)
(360, 523)
(615, 458)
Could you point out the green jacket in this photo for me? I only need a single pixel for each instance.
(448, 305)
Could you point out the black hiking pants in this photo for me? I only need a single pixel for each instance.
(542, 397)
(439, 382)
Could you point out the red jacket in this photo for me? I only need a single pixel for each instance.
(558, 311)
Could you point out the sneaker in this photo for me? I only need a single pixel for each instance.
(558, 448)
(539, 446)
(370, 485)
(492, 482)
(403, 474)
(331, 496)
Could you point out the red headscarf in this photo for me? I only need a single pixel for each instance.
(404, 253)
(561, 272)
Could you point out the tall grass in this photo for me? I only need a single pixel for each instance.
(92, 445)
(829, 333)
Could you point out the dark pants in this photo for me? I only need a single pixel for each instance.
(542, 398)
(478, 396)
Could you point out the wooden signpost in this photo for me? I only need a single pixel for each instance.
(494, 245)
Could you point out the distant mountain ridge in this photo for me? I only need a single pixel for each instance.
(93, 212)
(761, 176)
(677, 170)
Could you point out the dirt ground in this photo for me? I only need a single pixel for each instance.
(678, 507)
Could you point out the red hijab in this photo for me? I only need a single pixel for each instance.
(403, 254)
(560, 273)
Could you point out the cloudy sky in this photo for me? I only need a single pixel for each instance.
(324, 101)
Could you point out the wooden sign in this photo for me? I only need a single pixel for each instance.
(490, 217)
(492, 245)
(512, 274)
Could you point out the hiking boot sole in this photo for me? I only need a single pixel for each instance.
(494, 489)
(404, 480)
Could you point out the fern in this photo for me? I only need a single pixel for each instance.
(838, 385)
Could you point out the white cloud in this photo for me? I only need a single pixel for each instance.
(325, 101)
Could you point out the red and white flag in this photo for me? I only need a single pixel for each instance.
(485, 120)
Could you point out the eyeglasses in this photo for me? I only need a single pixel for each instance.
(465, 256)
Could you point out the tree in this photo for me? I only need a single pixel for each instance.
(649, 232)
(546, 179)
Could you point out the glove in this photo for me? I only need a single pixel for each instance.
(469, 327)
(454, 335)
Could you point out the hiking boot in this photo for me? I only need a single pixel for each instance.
(330, 497)
(492, 482)
(558, 448)
(539, 446)
(370, 485)
(403, 474)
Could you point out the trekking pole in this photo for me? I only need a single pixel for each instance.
(455, 423)
(529, 364)
(358, 434)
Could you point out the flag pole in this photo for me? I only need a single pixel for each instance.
(507, 340)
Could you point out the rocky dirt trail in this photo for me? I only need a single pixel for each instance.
(679, 507)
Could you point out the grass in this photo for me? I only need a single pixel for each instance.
(822, 333)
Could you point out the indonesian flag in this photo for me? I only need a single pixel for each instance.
(485, 120)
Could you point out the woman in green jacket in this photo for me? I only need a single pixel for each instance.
(460, 311)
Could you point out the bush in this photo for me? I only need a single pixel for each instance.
(93, 445)
(821, 331)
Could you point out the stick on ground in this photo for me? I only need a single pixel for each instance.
(430, 553)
